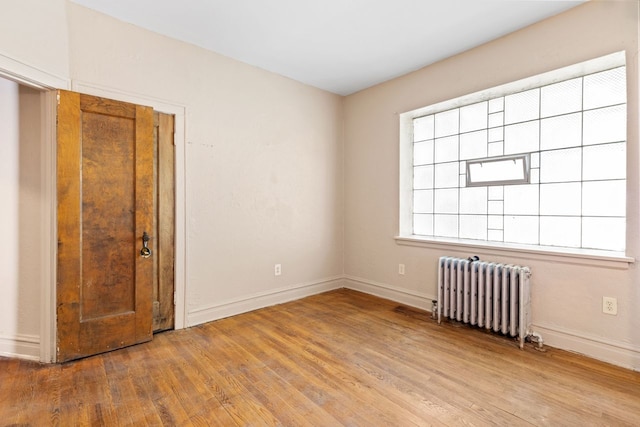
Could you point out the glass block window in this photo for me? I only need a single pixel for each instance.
(571, 135)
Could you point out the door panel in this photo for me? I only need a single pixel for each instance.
(105, 203)
(108, 215)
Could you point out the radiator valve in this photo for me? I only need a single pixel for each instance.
(536, 338)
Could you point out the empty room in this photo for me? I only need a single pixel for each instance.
(364, 213)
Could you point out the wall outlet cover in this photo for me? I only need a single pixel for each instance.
(609, 305)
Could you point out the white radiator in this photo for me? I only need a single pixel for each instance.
(489, 295)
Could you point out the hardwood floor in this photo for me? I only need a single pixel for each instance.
(339, 358)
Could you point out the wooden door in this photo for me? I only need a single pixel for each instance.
(105, 204)
(164, 227)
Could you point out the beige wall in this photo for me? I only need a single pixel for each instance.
(567, 298)
(34, 33)
(263, 163)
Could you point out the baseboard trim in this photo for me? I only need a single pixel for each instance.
(382, 290)
(263, 299)
(620, 354)
(21, 347)
(616, 353)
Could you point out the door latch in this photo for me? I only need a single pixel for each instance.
(145, 252)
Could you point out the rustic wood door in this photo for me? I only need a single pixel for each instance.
(105, 204)
(164, 227)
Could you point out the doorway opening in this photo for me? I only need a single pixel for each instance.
(40, 344)
(22, 190)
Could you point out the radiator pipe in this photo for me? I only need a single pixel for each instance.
(537, 338)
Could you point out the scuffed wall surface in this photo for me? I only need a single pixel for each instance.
(263, 158)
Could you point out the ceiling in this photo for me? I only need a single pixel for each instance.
(341, 46)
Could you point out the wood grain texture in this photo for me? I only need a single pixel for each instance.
(108, 215)
(105, 203)
(144, 185)
(68, 213)
(339, 358)
(164, 241)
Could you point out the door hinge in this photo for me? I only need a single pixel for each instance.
(173, 122)
(156, 309)
(175, 299)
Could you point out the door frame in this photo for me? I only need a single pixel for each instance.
(179, 112)
(44, 82)
(47, 82)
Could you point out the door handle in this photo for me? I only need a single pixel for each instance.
(145, 252)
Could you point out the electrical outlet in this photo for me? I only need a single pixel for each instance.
(401, 269)
(609, 305)
(277, 269)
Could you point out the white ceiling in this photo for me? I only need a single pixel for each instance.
(341, 46)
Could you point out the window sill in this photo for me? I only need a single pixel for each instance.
(605, 259)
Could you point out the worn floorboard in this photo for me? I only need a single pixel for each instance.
(339, 358)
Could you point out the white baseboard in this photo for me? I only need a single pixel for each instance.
(413, 299)
(261, 300)
(21, 347)
(616, 353)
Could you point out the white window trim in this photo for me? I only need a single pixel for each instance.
(614, 260)
(570, 255)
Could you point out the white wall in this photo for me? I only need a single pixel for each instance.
(567, 297)
(34, 33)
(263, 164)
(20, 220)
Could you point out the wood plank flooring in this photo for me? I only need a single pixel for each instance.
(339, 358)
